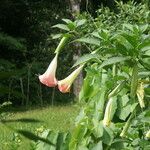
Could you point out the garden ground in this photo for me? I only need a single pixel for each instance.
(35, 120)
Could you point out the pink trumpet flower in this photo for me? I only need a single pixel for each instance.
(65, 84)
(48, 78)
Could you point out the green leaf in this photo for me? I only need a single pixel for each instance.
(123, 41)
(114, 107)
(67, 21)
(147, 53)
(124, 112)
(128, 26)
(98, 128)
(61, 26)
(71, 26)
(85, 58)
(80, 22)
(99, 99)
(56, 36)
(145, 120)
(144, 73)
(113, 60)
(34, 137)
(88, 90)
(60, 140)
(132, 39)
(44, 145)
(77, 136)
(118, 144)
(104, 34)
(82, 147)
(53, 138)
(144, 27)
(145, 144)
(98, 146)
(145, 47)
(96, 34)
(124, 100)
(67, 138)
(124, 108)
(93, 41)
(108, 136)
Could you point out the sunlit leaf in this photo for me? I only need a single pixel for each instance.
(67, 21)
(56, 36)
(123, 41)
(85, 58)
(80, 22)
(107, 136)
(113, 60)
(92, 41)
(98, 146)
(61, 26)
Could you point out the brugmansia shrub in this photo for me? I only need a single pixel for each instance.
(116, 89)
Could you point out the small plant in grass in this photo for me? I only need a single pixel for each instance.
(3, 107)
(17, 139)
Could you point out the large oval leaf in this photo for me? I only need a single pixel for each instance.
(113, 60)
(93, 41)
(61, 26)
(85, 58)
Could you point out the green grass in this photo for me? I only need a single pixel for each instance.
(54, 118)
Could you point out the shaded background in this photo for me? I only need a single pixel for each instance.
(26, 47)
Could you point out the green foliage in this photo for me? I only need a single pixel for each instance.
(20, 125)
(113, 91)
(11, 43)
(85, 58)
(110, 107)
(59, 140)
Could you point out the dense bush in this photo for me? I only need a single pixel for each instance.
(115, 93)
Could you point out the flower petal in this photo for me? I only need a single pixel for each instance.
(48, 78)
(65, 84)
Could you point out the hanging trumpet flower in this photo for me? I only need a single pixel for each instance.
(65, 84)
(108, 112)
(48, 78)
(148, 134)
(140, 94)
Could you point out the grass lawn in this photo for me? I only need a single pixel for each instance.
(55, 118)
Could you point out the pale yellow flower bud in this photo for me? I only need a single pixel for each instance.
(140, 94)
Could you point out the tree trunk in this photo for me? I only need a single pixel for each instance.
(75, 10)
(78, 82)
(75, 7)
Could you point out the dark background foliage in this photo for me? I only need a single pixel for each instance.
(26, 48)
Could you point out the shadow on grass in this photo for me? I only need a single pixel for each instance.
(23, 120)
(25, 133)
(15, 109)
(34, 137)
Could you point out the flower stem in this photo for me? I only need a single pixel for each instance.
(61, 44)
